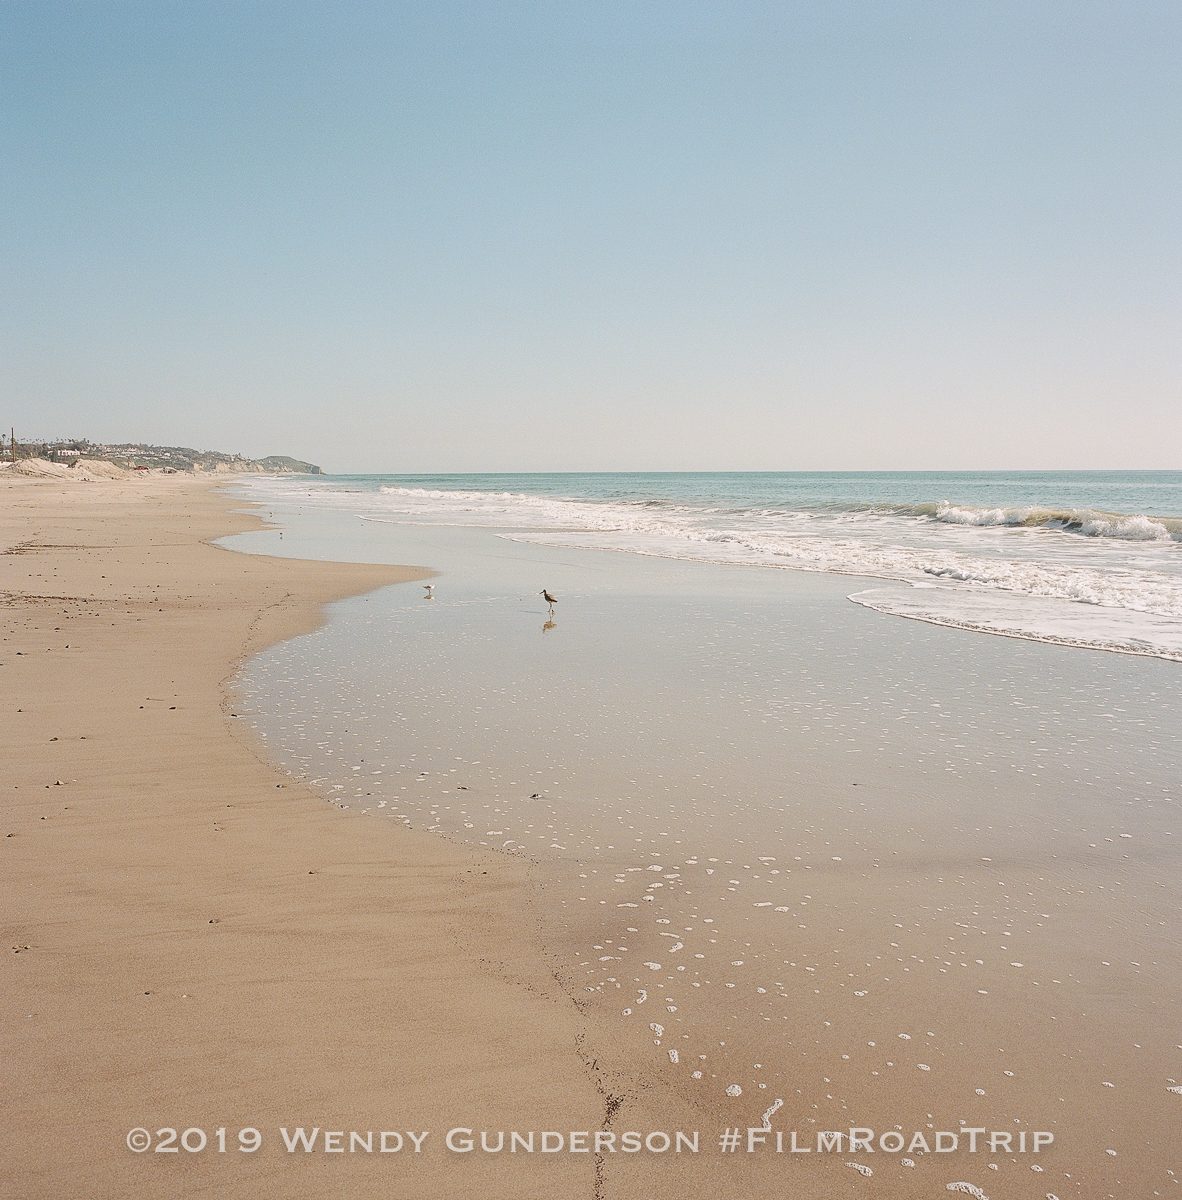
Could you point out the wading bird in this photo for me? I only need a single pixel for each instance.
(550, 600)
(429, 588)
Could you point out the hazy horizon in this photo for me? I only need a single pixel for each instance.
(536, 237)
(334, 469)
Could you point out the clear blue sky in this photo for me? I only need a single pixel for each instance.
(432, 236)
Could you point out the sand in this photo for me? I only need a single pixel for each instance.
(194, 940)
(191, 939)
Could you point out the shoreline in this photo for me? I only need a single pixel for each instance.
(195, 939)
(1115, 589)
(890, 859)
(199, 941)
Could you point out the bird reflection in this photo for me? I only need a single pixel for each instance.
(549, 625)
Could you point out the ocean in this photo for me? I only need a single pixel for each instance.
(784, 850)
(1088, 558)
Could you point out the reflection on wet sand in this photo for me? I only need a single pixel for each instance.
(844, 869)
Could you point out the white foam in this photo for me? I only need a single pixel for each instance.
(1127, 562)
(1096, 627)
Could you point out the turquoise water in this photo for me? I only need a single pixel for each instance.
(1157, 493)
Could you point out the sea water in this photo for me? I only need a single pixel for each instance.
(782, 847)
(1082, 558)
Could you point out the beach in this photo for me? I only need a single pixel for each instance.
(705, 847)
(191, 938)
(800, 863)
(591, 602)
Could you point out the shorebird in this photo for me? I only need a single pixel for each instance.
(550, 600)
(429, 588)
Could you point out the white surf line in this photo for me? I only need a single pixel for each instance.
(1047, 639)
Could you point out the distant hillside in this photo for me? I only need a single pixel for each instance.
(169, 458)
(280, 463)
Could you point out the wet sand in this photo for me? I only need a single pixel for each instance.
(192, 939)
(784, 848)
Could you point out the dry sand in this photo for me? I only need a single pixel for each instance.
(191, 939)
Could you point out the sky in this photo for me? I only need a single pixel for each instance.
(611, 236)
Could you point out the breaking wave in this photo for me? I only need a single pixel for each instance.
(1132, 527)
(1092, 523)
(1036, 561)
